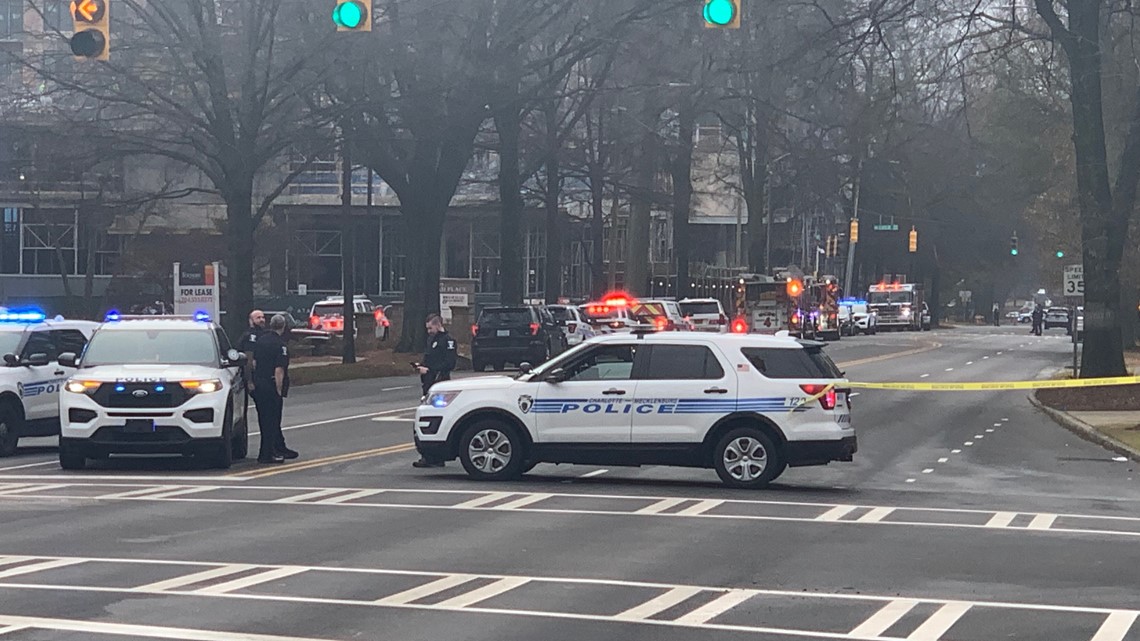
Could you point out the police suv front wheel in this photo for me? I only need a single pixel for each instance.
(492, 450)
(747, 458)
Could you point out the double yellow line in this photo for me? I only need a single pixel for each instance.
(992, 386)
(328, 460)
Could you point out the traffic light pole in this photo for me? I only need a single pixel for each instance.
(849, 272)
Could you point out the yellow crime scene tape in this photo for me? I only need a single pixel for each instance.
(992, 386)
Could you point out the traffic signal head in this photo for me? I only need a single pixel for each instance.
(722, 14)
(912, 243)
(91, 36)
(1013, 245)
(855, 230)
(794, 287)
(353, 15)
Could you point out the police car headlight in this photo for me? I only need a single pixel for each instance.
(82, 387)
(441, 400)
(202, 387)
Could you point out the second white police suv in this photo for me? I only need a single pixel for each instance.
(747, 406)
(155, 385)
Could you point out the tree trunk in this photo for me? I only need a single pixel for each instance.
(347, 257)
(554, 231)
(511, 227)
(240, 237)
(423, 218)
(682, 170)
(637, 259)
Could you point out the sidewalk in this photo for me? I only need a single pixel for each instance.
(1118, 431)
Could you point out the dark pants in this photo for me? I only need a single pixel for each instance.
(431, 378)
(269, 406)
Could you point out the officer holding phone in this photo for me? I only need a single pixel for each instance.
(439, 360)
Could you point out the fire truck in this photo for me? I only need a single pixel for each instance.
(898, 305)
(762, 304)
(803, 306)
(821, 307)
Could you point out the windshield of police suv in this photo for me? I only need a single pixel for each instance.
(152, 347)
(561, 314)
(10, 341)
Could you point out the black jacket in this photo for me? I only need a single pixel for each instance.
(441, 353)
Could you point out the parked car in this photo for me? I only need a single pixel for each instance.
(705, 314)
(856, 317)
(1057, 317)
(663, 314)
(608, 317)
(298, 332)
(328, 315)
(575, 327)
(514, 335)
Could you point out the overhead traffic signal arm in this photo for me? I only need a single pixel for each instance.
(91, 32)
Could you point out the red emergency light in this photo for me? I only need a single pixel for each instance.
(739, 326)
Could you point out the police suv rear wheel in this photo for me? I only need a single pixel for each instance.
(492, 450)
(746, 458)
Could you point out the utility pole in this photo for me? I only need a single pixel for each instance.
(348, 286)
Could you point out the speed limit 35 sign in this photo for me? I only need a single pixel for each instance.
(1074, 282)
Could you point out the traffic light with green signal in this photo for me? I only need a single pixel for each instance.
(1060, 254)
(722, 14)
(353, 15)
(1013, 245)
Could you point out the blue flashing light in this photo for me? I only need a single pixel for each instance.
(160, 388)
(852, 301)
(112, 316)
(120, 388)
(201, 316)
(439, 402)
(22, 316)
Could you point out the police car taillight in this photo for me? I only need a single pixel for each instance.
(826, 393)
(534, 329)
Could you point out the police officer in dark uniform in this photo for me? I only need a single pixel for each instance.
(439, 360)
(270, 387)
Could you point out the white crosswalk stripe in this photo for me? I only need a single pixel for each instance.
(428, 589)
(482, 594)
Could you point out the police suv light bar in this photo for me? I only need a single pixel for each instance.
(22, 316)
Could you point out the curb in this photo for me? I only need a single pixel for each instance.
(1086, 431)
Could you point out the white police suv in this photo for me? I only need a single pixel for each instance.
(32, 376)
(155, 385)
(746, 405)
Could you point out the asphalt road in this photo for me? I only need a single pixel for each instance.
(965, 517)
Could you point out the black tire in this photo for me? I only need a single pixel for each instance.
(477, 366)
(222, 455)
(240, 445)
(11, 421)
(737, 463)
(492, 450)
(499, 366)
(71, 457)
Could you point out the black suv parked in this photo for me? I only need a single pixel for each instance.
(514, 335)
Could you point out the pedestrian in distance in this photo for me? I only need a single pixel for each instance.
(997, 315)
(1038, 319)
(270, 387)
(439, 361)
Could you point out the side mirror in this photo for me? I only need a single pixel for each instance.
(235, 357)
(37, 360)
(11, 360)
(555, 376)
(525, 368)
(68, 359)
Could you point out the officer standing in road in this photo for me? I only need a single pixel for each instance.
(1038, 319)
(997, 315)
(249, 338)
(270, 387)
(439, 360)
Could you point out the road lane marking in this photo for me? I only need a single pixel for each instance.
(428, 589)
(196, 577)
(968, 443)
(928, 470)
(33, 488)
(940, 622)
(700, 507)
(881, 621)
(483, 500)
(523, 502)
(317, 494)
(836, 513)
(328, 460)
(393, 389)
(341, 419)
(468, 599)
(949, 369)
(925, 376)
(184, 491)
(38, 567)
(910, 480)
(13, 628)
(145, 631)
(130, 494)
(359, 494)
(716, 607)
(970, 363)
(875, 515)
(27, 465)
(659, 604)
(1115, 626)
(1001, 519)
(943, 460)
(660, 506)
(250, 581)
(887, 357)
(590, 475)
(955, 451)
(1042, 522)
